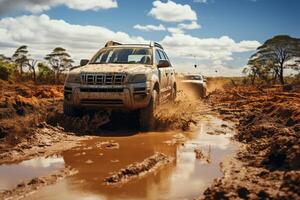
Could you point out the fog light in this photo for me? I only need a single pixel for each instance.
(139, 97)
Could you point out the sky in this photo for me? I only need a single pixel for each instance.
(217, 35)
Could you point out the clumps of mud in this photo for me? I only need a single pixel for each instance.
(148, 165)
(25, 188)
(201, 155)
(88, 123)
(267, 165)
(108, 145)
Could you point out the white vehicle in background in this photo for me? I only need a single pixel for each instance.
(196, 82)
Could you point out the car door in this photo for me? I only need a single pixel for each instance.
(169, 71)
(161, 72)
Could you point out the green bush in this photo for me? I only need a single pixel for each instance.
(45, 74)
(7, 70)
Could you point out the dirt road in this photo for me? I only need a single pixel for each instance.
(178, 161)
(104, 156)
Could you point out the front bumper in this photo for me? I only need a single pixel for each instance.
(129, 96)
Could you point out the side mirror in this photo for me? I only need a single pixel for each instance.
(84, 62)
(163, 63)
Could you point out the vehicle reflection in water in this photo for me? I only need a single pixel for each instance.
(12, 174)
(185, 178)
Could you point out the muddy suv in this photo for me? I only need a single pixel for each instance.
(133, 77)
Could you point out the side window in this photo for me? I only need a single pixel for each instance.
(167, 58)
(164, 56)
(157, 56)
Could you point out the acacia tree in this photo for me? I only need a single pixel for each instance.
(59, 61)
(258, 70)
(32, 63)
(279, 50)
(20, 57)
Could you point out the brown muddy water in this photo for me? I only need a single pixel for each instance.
(186, 177)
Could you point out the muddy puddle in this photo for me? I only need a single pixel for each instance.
(196, 163)
(13, 174)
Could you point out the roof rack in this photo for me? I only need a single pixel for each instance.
(112, 43)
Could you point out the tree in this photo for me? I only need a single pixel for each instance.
(31, 63)
(258, 69)
(20, 57)
(44, 73)
(280, 50)
(59, 61)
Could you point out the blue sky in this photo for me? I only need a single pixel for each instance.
(216, 45)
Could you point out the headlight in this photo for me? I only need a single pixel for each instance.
(73, 78)
(137, 78)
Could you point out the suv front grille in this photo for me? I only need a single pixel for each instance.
(102, 79)
(102, 101)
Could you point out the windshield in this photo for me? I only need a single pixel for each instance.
(123, 55)
(194, 77)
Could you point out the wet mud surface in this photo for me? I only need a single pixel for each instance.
(164, 164)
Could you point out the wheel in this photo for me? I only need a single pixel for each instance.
(70, 110)
(202, 92)
(147, 115)
(173, 94)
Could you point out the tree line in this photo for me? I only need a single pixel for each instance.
(22, 65)
(271, 60)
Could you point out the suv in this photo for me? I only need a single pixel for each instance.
(195, 82)
(122, 77)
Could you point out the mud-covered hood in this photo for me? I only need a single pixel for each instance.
(113, 68)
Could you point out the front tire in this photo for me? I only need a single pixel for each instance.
(202, 92)
(173, 94)
(147, 115)
(70, 110)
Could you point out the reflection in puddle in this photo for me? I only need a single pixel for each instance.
(185, 178)
(12, 174)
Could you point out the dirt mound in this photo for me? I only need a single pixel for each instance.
(269, 121)
(138, 169)
(22, 108)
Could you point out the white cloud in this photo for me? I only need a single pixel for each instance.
(38, 6)
(175, 30)
(172, 12)
(190, 26)
(43, 34)
(150, 27)
(214, 50)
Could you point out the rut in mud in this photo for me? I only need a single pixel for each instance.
(139, 169)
